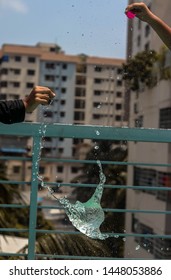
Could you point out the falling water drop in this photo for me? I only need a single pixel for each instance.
(137, 247)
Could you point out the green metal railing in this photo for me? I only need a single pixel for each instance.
(35, 131)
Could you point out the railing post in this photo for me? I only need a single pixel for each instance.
(33, 196)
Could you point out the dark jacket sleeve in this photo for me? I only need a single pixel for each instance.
(12, 111)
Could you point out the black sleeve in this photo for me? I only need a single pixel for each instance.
(12, 111)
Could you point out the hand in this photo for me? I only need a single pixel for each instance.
(38, 95)
(140, 10)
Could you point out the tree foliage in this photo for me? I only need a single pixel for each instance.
(139, 70)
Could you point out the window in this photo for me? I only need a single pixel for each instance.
(50, 65)
(138, 41)
(164, 180)
(48, 114)
(63, 102)
(139, 121)
(97, 69)
(50, 78)
(96, 116)
(16, 71)
(64, 66)
(145, 177)
(79, 116)
(4, 71)
(96, 104)
(16, 169)
(41, 169)
(47, 139)
(97, 92)
(118, 106)
(80, 80)
(150, 177)
(63, 90)
(29, 85)
(30, 72)
(52, 49)
(64, 78)
(79, 104)
(4, 84)
(165, 118)
(119, 83)
(118, 94)
(61, 150)
(62, 114)
(17, 58)
(147, 30)
(119, 71)
(97, 81)
(74, 169)
(139, 24)
(80, 92)
(31, 59)
(81, 68)
(118, 118)
(147, 46)
(16, 84)
(60, 169)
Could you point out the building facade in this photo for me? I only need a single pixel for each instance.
(149, 108)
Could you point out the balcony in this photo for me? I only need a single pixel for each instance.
(36, 131)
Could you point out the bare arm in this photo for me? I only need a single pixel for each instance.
(159, 26)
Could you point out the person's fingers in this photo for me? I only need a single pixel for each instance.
(44, 90)
(42, 101)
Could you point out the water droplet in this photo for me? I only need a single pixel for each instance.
(97, 132)
(137, 247)
(96, 147)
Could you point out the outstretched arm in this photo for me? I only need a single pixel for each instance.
(13, 111)
(159, 26)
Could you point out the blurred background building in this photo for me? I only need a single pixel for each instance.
(149, 108)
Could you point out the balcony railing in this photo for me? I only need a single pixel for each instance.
(35, 131)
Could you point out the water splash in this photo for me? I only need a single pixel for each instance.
(87, 217)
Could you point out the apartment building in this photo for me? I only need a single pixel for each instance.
(89, 90)
(149, 108)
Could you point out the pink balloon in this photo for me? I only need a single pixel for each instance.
(130, 14)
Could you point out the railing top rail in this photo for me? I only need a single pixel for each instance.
(88, 132)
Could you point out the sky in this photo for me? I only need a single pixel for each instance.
(92, 27)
